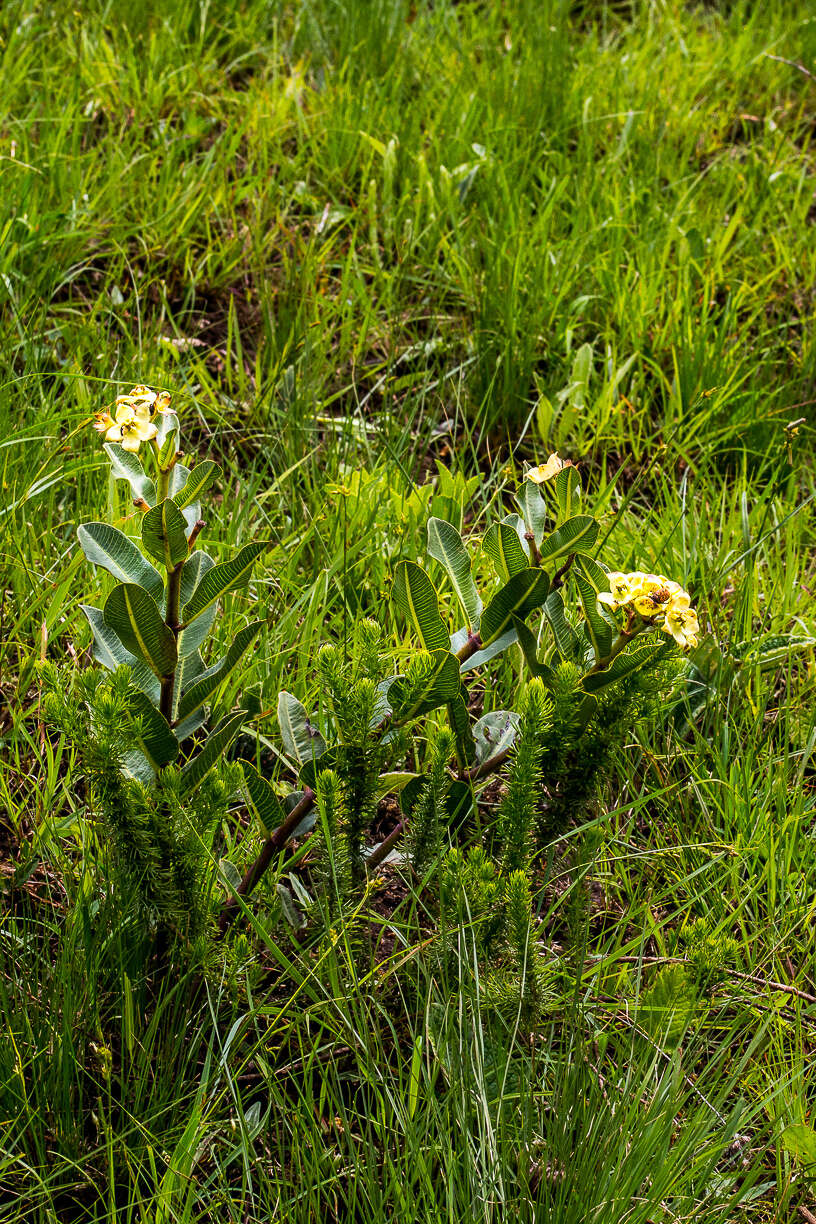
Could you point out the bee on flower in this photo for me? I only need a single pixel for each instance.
(658, 601)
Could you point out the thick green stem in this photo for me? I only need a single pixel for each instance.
(620, 644)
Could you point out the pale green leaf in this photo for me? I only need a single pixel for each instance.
(445, 546)
(114, 551)
(220, 579)
(416, 597)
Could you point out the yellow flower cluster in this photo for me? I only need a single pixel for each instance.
(132, 421)
(657, 599)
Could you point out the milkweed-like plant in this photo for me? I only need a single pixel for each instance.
(157, 799)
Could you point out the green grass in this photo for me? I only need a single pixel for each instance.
(356, 238)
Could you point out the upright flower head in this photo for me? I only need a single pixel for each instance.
(659, 601)
(132, 422)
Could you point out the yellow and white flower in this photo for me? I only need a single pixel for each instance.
(681, 622)
(546, 471)
(621, 589)
(130, 425)
(657, 599)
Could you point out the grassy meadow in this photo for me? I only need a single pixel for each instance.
(359, 239)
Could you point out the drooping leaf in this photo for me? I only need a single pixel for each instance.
(445, 546)
(202, 688)
(525, 591)
(156, 738)
(268, 807)
(178, 479)
(494, 733)
(126, 466)
(114, 551)
(533, 509)
(164, 534)
(196, 482)
(439, 683)
(301, 738)
(216, 744)
(220, 579)
(132, 614)
(566, 639)
(416, 598)
(505, 550)
(289, 910)
(111, 653)
(579, 532)
(623, 665)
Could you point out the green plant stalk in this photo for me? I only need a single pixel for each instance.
(168, 683)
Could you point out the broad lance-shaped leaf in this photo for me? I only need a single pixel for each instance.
(114, 551)
(567, 642)
(301, 738)
(220, 579)
(196, 482)
(416, 597)
(525, 591)
(427, 689)
(579, 532)
(206, 684)
(164, 534)
(505, 550)
(156, 738)
(533, 509)
(109, 651)
(132, 614)
(178, 479)
(597, 628)
(445, 546)
(126, 466)
(459, 719)
(594, 573)
(268, 807)
(494, 733)
(567, 489)
(216, 744)
(623, 665)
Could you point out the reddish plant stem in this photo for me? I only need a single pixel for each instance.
(272, 846)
